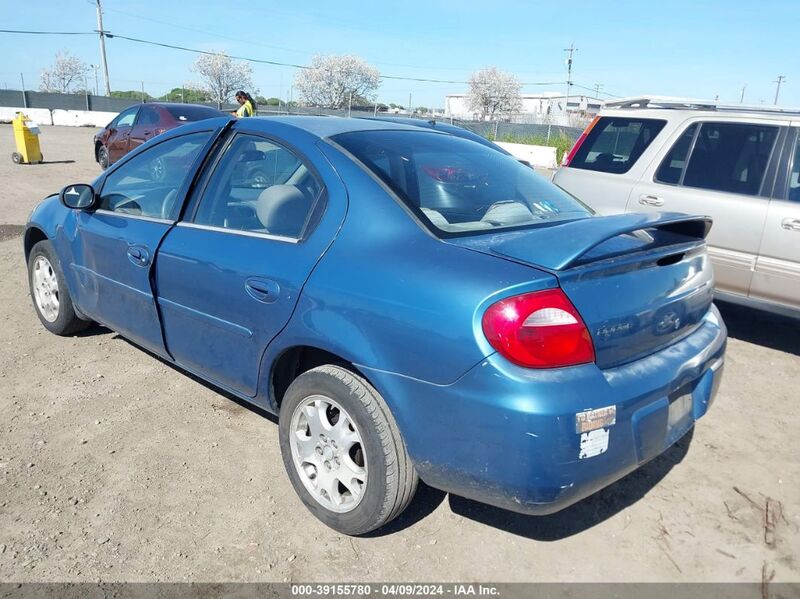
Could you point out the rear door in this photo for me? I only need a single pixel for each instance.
(119, 137)
(229, 275)
(777, 273)
(719, 169)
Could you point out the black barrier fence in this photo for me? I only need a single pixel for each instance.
(91, 102)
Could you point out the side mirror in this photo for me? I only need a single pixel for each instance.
(79, 196)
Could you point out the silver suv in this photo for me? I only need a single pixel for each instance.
(739, 165)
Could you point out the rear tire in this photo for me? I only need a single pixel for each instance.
(370, 446)
(49, 292)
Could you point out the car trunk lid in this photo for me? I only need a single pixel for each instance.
(639, 281)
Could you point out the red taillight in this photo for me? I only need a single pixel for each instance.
(539, 330)
(568, 158)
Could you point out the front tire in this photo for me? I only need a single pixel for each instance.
(102, 157)
(343, 451)
(49, 292)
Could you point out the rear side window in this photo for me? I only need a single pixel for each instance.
(614, 144)
(730, 157)
(186, 113)
(457, 186)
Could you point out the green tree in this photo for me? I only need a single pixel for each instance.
(188, 95)
(131, 94)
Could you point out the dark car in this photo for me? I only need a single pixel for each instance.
(137, 124)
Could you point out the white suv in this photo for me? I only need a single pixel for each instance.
(739, 165)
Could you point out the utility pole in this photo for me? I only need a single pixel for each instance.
(572, 49)
(741, 100)
(597, 88)
(409, 103)
(24, 97)
(780, 80)
(103, 60)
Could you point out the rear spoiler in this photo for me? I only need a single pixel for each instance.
(560, 246)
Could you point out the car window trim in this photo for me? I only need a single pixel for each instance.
(153, 219)
(314, 215)
(259, 234)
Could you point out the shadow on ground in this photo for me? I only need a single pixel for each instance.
(762, 328)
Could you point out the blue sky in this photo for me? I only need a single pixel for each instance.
(698, 49)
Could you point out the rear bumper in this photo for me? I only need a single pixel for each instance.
(506, 435)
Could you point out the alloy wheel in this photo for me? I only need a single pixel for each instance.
(45, 288)
(328, 453)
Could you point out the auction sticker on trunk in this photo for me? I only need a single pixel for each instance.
(594, 419)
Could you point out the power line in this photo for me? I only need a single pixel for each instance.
(48, 32)
(260, 60)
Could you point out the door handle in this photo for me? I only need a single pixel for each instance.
(649, 200)
(138, 255)
(791, 224)
(262, 290)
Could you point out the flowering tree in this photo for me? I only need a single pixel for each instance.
(330, 81)
(222, 76)
(493, 93)
(66, 75)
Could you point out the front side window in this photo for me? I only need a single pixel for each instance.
(126, 118)
(458, 186)
(259, 186)
(614, 144)
(148, 184)
(730, 157)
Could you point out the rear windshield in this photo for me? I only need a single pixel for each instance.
(192, 113)
(615, 143)
(457, 186)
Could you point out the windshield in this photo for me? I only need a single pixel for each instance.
(458, 186)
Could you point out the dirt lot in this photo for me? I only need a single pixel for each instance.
(115, 466)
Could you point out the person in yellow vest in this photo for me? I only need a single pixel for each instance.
(247, 106)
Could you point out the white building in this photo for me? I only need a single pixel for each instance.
(536, 108)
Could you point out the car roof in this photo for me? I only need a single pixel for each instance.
(327, 126)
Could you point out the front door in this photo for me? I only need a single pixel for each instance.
(230, 274)
(117, 243)
(119, 138)
(716, 169)
(777, 274)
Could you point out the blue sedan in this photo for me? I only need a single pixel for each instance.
(412, 304)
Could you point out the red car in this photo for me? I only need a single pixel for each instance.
(137, 124)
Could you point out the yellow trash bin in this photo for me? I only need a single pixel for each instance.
(26, 136)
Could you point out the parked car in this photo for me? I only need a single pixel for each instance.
(737, 164)
(413, 305)
(140, 123)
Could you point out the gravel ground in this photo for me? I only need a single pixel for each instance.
(115, 466)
